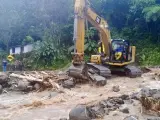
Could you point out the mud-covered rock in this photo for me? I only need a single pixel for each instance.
(154, 118)
(125, 97)
(135, 96)
(106, 111)
(37, 86)
(23, 85)
(68, 84)
(124, 109)
(1, 89)
(63, 119)
(80, 112)
(3, 78)
(96, 111)
(156, 96)
(115, 89)
(132, 117)
(103, 103)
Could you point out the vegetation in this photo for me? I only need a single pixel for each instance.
(49, 25)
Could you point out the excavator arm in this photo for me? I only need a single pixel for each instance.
(84, 12)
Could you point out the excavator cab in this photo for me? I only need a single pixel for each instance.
(120, 51)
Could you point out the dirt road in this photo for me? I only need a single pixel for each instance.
(49, 105)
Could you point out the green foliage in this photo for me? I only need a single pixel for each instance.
(50, 51)
(28, 39)
(150, 55)
(152, 13)
(90, 43)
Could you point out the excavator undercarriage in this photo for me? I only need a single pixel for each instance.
(99, 74)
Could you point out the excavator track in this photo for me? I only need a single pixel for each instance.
(100, 70)
(90, 72)
(132, 71)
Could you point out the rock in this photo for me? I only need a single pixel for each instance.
(23, 85)
(96, 111)
(115, 89)
(135, 96)
(63, 119)
(131, 118)
(1, 89)
(106, 111)
(115, 113)
(118, 100)
(99, 80)
(103, 104)
(128, 101)
(109, 104)
(145, 92)
(125, 97)
(3, 78)
(37, 86)
(156, 96)
(68, 84)
(124, 109)
(80, 112)
(154, 118)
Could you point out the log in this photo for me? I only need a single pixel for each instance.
(28, 78)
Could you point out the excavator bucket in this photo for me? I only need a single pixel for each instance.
(78, 71)
(85, 73)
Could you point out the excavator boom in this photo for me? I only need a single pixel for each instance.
(82, 12)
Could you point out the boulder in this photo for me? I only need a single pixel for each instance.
(63, 119)
(3, 78)
(136, 96)
(132, 117)
(124, 109)
(37, 86)
(115, 89)
(68, 84)
(1, 89)
(23, 85)
(80, 112)
(96, 111)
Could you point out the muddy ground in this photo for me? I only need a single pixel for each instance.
(51, 105)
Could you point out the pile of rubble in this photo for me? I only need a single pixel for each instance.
(150, 98)
(29, 81)
(99, 110)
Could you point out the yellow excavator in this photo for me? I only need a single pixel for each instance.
(113, 54)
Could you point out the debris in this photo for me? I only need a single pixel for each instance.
(124, 109)
(116, 89)
(131, 118)
(150, 99)
(28, 81)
